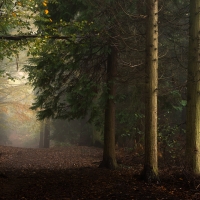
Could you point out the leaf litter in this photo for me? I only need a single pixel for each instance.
(72, 173)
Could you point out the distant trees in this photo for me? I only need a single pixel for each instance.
(15, 96)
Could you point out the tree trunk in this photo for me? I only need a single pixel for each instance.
(109, 158)
(193, 91)
(41, 142)
(150, 172)
(47, 133)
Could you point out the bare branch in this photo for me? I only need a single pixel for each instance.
(23, 37)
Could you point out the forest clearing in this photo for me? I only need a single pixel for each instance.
(72, 173)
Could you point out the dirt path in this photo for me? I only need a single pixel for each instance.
(72, 173)
(53, 158)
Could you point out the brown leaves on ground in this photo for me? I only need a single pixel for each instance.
(73, 173)
(53, 158)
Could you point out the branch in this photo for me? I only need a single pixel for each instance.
(22, 37)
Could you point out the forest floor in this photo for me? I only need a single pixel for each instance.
(72, 173)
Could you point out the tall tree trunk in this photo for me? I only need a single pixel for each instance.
(193, 91)
(150, 172)
(47, 133)
(109, 157)
(41, 142)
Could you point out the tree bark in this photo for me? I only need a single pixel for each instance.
(150, 171)
(109, 157)
(193, 91)
(47, 133)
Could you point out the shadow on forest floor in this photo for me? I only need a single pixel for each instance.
(73, 173)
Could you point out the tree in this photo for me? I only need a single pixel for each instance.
(15, 18)
(109, 158)
(72, 79)
(150, 171)
(193, 88)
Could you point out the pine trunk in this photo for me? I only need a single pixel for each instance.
(109, 158)
(193, 91)
(150, 172)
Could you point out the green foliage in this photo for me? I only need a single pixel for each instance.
(68, 76)
(65, 81)
(172, 101)
(14, 20)
(171, 129)
(130, 116)
(171, 141)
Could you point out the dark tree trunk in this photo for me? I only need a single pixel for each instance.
(109, 158)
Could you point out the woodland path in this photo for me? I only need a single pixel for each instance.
(72, 173)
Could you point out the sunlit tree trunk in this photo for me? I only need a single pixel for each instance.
(150, 172)
(193, 91)
(109, 158)
(41, 142)
(47, 133)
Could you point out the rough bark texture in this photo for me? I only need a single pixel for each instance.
(150, 172)
(47, 134)
(109, 158)
(193, 93)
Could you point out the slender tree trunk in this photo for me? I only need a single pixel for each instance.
(47, 133)
(109, 158)
(41, 142)
(150, 172)
(193, 91)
